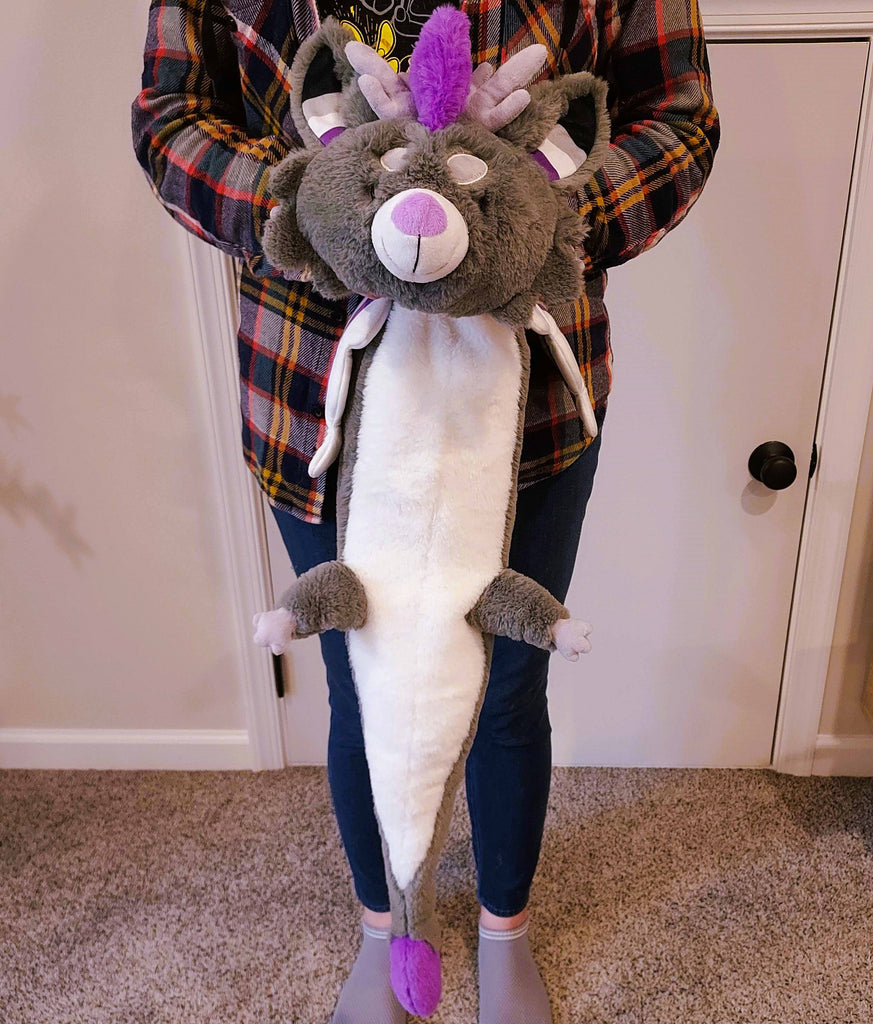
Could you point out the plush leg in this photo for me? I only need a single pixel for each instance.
(328, 596)
(511, 990)
(515, 606)
(367, 997)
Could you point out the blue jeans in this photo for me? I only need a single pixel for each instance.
(508, 770)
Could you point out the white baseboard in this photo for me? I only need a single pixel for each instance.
(186, 749)
(229, 750)
(843, 755)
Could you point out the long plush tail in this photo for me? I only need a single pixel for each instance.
(416, 975)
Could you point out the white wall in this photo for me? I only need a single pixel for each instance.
(115, 599)
(114, 596)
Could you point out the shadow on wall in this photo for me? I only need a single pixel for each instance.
(21, 499)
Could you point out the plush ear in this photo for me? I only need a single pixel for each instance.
(284, 179)
(325, 98)
(284, 243)
(565, 127)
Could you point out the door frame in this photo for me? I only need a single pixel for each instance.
(215, 282)
(840, 429)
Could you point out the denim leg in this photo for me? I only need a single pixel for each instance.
(508, 772)
(348, 776)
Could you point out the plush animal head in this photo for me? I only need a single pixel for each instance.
(444, 189)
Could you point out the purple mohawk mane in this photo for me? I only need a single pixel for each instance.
(441, 67)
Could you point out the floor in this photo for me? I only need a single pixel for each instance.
(663, 897)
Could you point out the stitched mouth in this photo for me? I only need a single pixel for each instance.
(388, 260)
(419, 256)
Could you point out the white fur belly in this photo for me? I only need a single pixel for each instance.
(425, 532)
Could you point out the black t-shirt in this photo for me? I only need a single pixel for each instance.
(391, 27)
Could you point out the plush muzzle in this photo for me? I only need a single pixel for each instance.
(419, 235)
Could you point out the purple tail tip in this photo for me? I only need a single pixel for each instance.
(416, 976)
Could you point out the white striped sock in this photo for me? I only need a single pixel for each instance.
(511, 990)
(504, 934)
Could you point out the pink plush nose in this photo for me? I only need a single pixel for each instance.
(419, 214)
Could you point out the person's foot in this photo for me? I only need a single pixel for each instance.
(367, 996)
(511, 990)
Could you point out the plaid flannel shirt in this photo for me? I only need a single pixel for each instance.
(213, 116)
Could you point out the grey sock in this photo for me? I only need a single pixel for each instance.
(367, 996)
(511, 990)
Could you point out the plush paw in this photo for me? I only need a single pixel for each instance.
(275, 629)
(571, 638)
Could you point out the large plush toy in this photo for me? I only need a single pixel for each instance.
(441, 197)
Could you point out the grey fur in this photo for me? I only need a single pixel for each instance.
(282, 235)
(285, 177)
(522, 230)
(602, 136)
(550, 101)
(511, 214)
(516, 606)
(561, 274)
(523, 241)
(333, 36)
(413, 909)
(328, 596)
(351, 425)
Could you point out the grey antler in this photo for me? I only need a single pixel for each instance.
(497, 97)
(385, 90)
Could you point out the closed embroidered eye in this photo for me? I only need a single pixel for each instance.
(466, 168)
(395, 159)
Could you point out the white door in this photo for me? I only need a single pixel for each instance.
(305, 711)
(686, 565)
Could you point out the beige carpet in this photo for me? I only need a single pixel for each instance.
(663, 897)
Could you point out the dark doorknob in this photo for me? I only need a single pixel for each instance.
(773, 464)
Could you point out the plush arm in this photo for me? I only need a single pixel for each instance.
(189, 136)
(516, 606)
(328, 596)
(665, 130)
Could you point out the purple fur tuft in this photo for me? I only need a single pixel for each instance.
(441, 67)
(416, 975)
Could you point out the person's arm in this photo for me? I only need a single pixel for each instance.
(665, 131)
(189, 135)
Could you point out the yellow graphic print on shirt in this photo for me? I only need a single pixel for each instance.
(384, 43)
(391, 27)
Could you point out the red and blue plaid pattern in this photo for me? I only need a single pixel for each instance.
(213, 116)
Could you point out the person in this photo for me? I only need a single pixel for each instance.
(210, 121)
